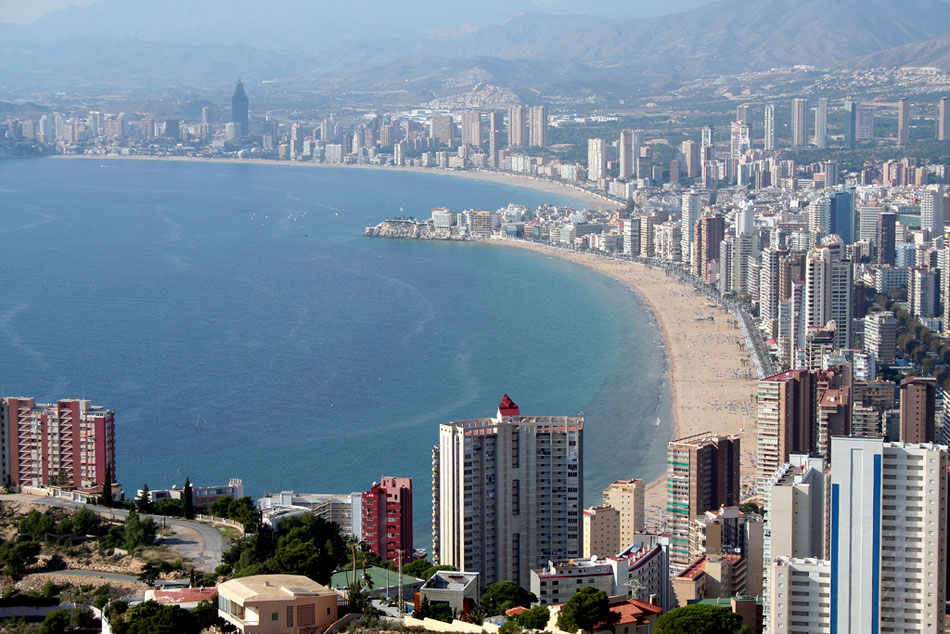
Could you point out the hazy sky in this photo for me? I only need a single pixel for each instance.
(28, 10)
(25, 11)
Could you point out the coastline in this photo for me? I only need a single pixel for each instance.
(590, 199)
(719, 398)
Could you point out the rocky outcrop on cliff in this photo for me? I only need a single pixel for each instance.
(412, 230)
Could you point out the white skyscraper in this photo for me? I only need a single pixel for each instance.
(508, 493)
(888, 536)
(931, 211)
(821, 123)
(596, 159)
(691, 210)
(794, 519)
(770, 127)
(828, 291)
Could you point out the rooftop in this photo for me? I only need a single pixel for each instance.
(450, 580)
(178, 596)
(381, 577)
(273, 587)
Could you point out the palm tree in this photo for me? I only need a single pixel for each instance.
(353, 542)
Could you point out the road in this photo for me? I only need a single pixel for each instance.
(202, 543)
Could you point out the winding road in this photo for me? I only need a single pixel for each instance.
(202, 543)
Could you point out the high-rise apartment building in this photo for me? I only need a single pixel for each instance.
(918, 409)
(821, 123)
(903, 122)
(601, 529)
(880, 336)
(744, 113)
(864, 122)
(922, 292)
(517, 127)
(596, 159)
(508, 493)
(770, 143)
(710, 232)
(931, 211)
(626, 154)
(702, 474)
(888, 536)
(70, 442)
(943, 119)
(795, 525)
(472, 128)
(801, 594)
(538, 133)
(690, 209)
(627, 496)
(239, 108)
(850, 124)
(442, 129)
(799, 122)
(886, 234)
(708, 140)
(387, 519)
(690, 151)
(786, 420)
(828, 288)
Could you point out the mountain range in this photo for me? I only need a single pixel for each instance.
(208, 45)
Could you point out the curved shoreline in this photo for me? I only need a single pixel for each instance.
(592, 200)
(712, 392)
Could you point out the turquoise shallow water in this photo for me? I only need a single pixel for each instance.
(240, 325)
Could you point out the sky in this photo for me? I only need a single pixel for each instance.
(26, 11)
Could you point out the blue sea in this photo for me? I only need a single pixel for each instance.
(240, 325)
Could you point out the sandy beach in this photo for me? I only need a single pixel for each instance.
(711, 372)
(589, 199)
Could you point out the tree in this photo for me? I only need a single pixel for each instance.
(416, 568)
(504, 595)
(534, 619)
(56, 622)
(588, 607)
(85, 522)
(107, 488)
(188, 503)
(16, 556)
(143, 504)
(699, 619)
(138, 532)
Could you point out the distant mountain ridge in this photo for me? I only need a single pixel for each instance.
(720, 38)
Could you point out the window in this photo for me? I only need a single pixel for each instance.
(306, 615)
(290, 616)
(275, 616)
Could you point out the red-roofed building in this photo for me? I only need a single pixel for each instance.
(712, 577)
(515, 611)
(508, 407)
(185, 598)
(635, 617)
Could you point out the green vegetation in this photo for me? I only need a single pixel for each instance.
(152, 618)
(240, 510)
(439, 611)
(305, 545)
(534, 619)
(504, 595)
(416, 568)
(700, 619)
(588, 607)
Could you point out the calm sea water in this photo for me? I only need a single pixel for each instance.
(239, 324)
